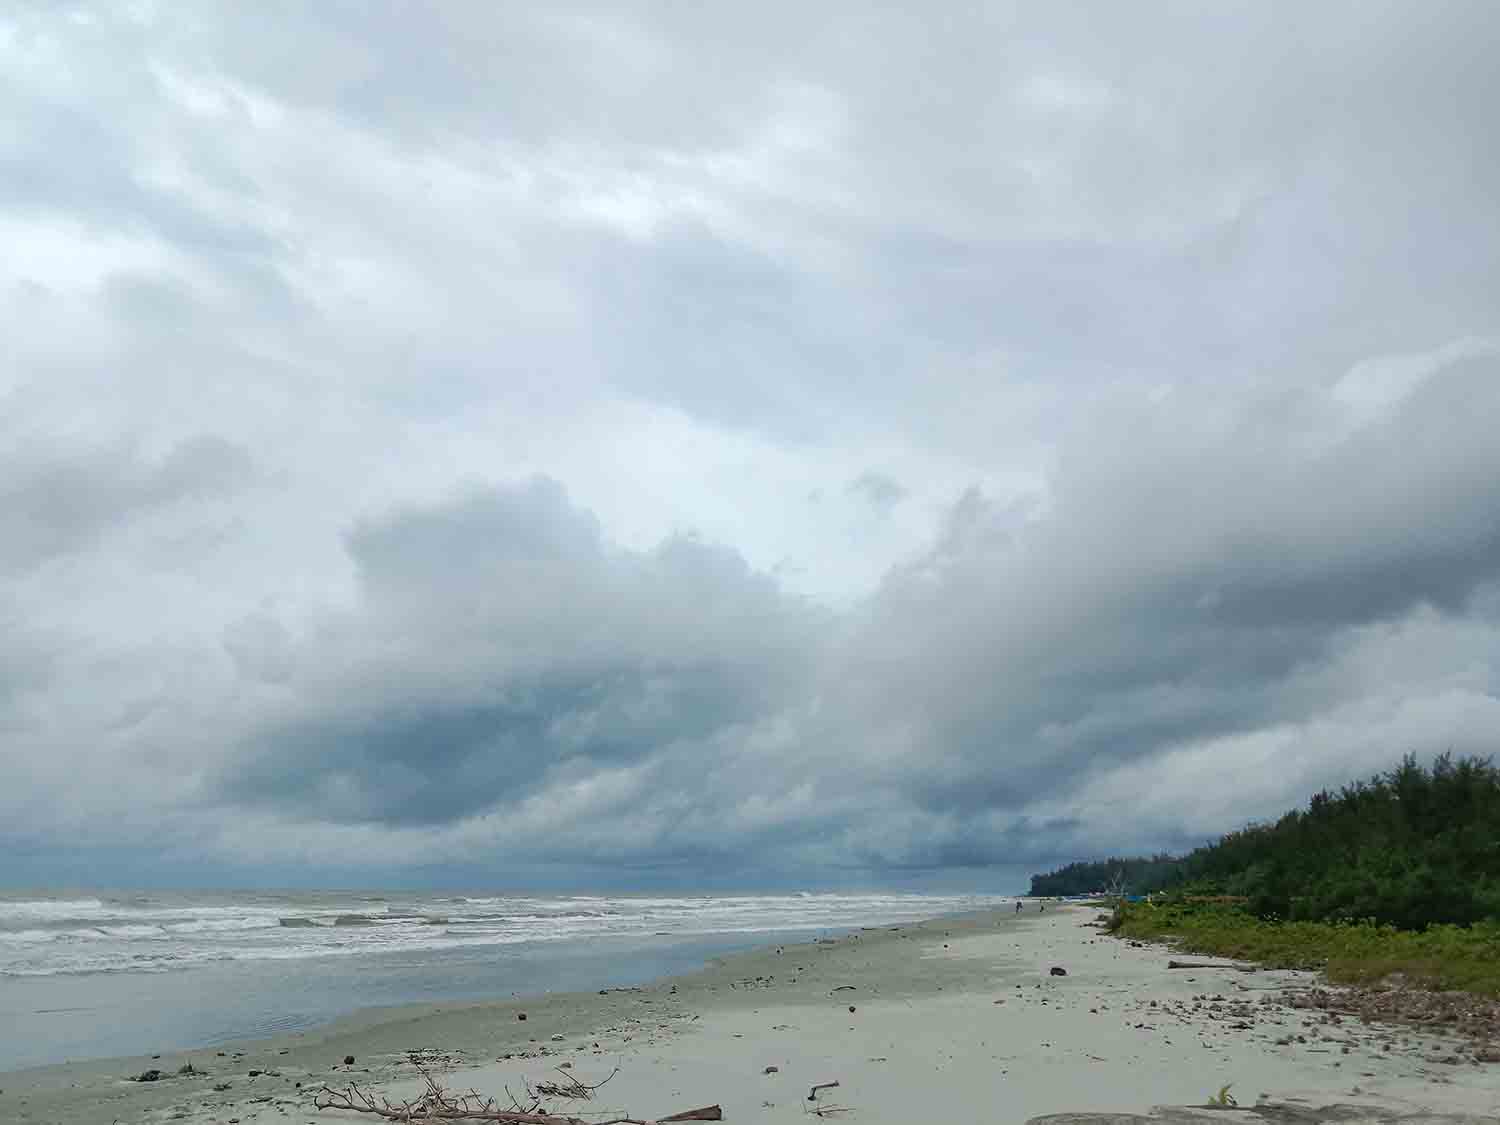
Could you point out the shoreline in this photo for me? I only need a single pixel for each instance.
(369, 1031)
(954, 1018)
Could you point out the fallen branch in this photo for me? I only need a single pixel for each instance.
(1211, 965)
(438, 1104)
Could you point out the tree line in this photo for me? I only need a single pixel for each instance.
(1408, 847)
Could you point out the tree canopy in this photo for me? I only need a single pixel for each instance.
(1409, 847)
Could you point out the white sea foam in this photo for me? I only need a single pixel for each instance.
(40, 937)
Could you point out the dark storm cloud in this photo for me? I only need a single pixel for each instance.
(1200, 588)
(1144, 368)
(1162, 603)
(502, 644)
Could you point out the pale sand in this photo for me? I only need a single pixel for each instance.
(927, 1042)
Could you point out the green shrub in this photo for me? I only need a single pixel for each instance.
(1442, 956)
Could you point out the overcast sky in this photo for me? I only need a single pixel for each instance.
(734, 444)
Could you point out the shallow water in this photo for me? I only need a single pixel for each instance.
(85, 976)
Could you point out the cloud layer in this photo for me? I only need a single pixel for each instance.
(611, 445)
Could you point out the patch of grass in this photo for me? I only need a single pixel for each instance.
(1465, 958)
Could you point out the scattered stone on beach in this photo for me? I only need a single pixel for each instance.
(148, 1075)
(521, 1016)
(772, 1070)
(348, 1060)
(1058, 971)
(851, 1007)
(557, 1039)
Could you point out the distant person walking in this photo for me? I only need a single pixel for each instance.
(1018, 906)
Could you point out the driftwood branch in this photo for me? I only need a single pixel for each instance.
(438, 1104)
(568, 1087)
(1211, 965)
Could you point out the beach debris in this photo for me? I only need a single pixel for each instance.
(348, 1060)
(851, 1007)
(826, 1109)
(147, 1076)
(437, 1103)
(1058, 971)
(841, 988)
(772, 1070)
(569, 1087)
(1212, 965)
(521, 1016)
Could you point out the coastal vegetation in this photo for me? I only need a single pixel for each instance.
(1103, 876)
(1397, 874)
(1442, 956)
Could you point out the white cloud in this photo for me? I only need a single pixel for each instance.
(1111, 412)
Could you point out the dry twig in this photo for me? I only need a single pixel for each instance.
(569, 1087)
(438, 1104)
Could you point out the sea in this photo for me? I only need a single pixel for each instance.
(104, 973)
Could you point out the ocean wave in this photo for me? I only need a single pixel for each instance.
(173, 933)
(48, 909)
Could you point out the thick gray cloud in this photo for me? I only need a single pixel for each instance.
(55, 504)
(501, 647)
(648, 445)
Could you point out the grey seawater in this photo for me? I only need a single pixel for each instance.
(57, 1019)
(99, 974)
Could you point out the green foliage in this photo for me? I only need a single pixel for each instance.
(1134, 875)
(1409, 848)
(1353, 952)
(1224, 1097)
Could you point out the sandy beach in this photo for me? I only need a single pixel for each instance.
(954, 1020)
